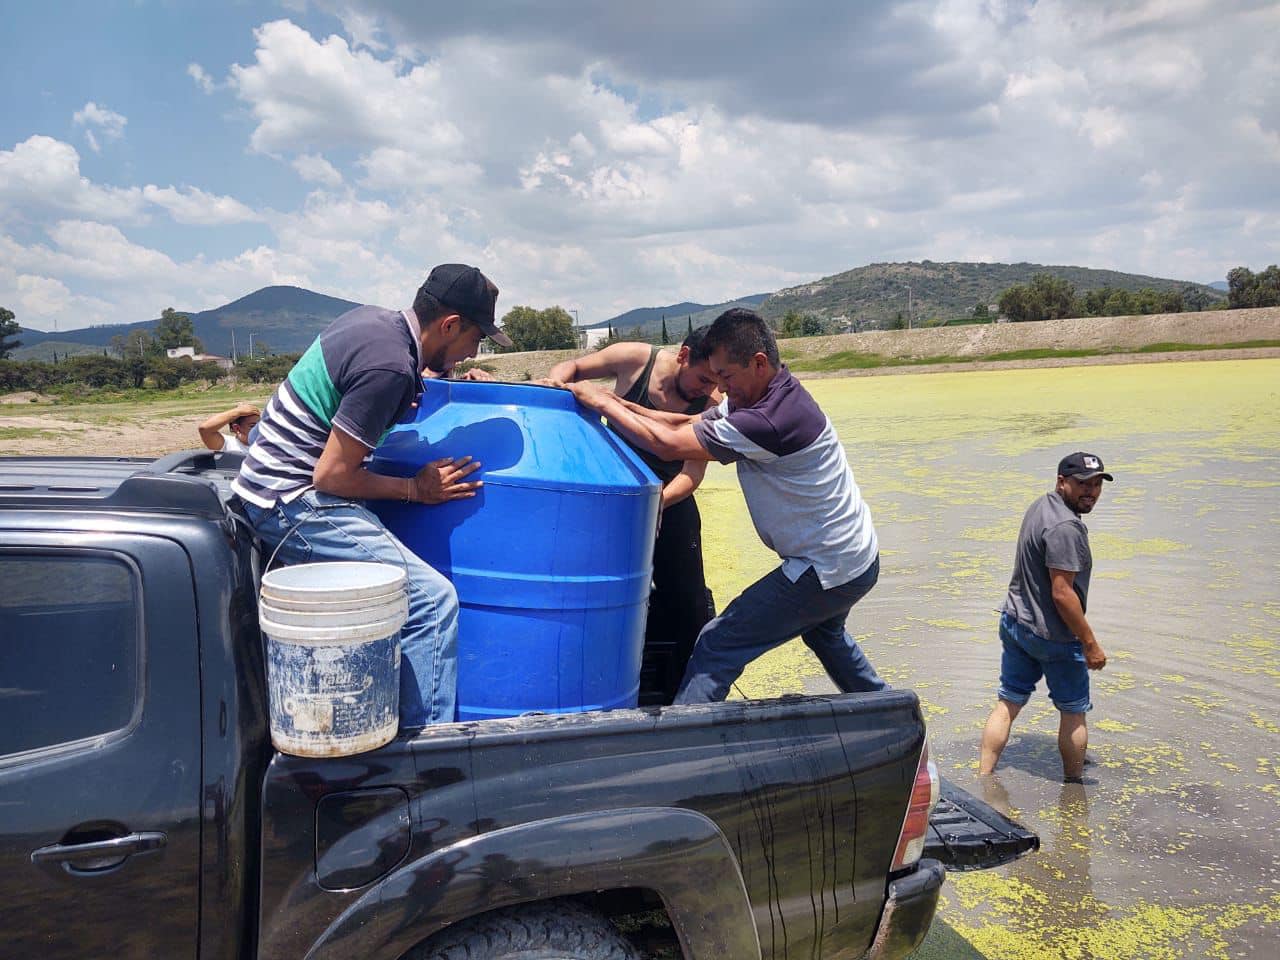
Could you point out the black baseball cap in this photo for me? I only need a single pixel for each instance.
(1083, 466)
(470, 292)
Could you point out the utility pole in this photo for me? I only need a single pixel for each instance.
(250, 344)
(909, 305)
(233, 346)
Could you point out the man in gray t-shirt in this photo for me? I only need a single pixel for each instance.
(1042, 626)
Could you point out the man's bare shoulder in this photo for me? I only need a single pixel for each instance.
(624, 355)
(623, 361)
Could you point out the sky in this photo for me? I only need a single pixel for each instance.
(608, 156)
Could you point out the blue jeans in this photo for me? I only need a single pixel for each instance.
(1027, 656)
(334, 528)
(769, 613)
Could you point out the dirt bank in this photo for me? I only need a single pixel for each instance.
(1090, 333)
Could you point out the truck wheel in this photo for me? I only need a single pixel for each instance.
(559, 931)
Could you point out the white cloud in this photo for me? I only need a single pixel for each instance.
(305, 93)
(42, 174)
(103, 251)
(605, 163)
(202, 79)
(41, 296)
(99, 121)
(1254, 133)
(1103, 126)
(314, 168)
(91, 273)
(192, 205)
(41, 302)
(394, 168)
(363, 29)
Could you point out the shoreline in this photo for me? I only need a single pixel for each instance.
(1211, 331)
(1109, 359)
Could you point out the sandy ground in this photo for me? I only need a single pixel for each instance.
(36, 425)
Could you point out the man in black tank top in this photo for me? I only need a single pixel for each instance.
(680, 604)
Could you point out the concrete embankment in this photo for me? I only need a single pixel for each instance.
(1115, 334)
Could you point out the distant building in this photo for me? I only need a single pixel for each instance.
(588, 339)
(176, 352)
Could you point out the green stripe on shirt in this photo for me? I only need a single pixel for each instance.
(311, 382)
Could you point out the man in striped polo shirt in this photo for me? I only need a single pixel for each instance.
(303, 481)
(802, 498)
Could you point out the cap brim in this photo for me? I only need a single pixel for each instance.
(1089, 476)
(497, 336)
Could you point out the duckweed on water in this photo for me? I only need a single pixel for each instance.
(1183, 597)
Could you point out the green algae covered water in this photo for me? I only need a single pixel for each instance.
(1171, 851)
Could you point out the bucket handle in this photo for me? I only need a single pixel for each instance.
(319, 507)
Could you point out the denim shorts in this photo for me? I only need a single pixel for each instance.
(1027, 657)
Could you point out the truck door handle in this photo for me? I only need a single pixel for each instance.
(99, 854)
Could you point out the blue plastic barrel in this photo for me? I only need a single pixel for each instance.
(551, 560)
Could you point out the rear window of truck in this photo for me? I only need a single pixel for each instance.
(69, 649)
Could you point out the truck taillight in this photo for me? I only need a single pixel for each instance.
(915, 826)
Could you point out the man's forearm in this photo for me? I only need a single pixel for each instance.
(1072, 614)
(662, 416)
(638, 426)
(680, 488)
(362, 484)
(218, 421)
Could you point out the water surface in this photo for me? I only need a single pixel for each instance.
(1171, 851)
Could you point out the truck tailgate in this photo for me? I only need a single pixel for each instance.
(966, 833)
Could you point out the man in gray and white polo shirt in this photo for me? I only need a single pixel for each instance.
(803, 502)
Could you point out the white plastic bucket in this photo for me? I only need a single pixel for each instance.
(333, 656)
(340, 581)
(329, 615)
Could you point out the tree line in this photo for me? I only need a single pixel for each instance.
(137, 360)
(1248, 289)
(1047, 297)
(553, 329)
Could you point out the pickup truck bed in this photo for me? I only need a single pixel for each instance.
(158, 821)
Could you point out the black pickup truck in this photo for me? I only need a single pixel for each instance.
(143, 812)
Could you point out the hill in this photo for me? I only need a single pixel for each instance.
(876, 293)
(286, 319)
(649, 319)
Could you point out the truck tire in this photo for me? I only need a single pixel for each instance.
(562, 930)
